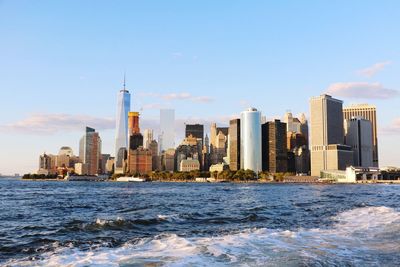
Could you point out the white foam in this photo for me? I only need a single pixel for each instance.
(357, 238)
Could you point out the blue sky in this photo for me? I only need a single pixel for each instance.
(62, 63)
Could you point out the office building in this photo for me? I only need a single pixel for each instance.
(140, 161)
(327, 136)
(189, 164)
(367, 112)
(274, 147)
(168, 160)
(147, 138)
(250, 140)
(234, 145)
(195, 130)
(167, 129)
(90, 151)
(123, 107)
(359, 137)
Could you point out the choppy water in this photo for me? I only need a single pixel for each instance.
(172, 224)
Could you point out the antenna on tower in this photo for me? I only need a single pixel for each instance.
(124, 81)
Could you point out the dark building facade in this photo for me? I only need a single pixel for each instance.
(274, 147)
(135, 141)
(196, 130)
(234, 144)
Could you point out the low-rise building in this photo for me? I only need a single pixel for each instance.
(189, 164)
(351, 175)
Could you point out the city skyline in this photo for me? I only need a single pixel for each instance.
(213, 81)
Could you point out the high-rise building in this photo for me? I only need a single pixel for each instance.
(250, 140)
(133, 123)
(135, 137)
(123, 107)
(90, 151)
(274, 147)
(140, 161)
(196, 130)
(234, 144)
(327, 137)
(367, 112)
(213, 134)
(359, 137)
(147, 138)
(167, 129)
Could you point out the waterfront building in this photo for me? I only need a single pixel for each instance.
(274, 147)
(140, 161)
(234, 144)
(220, 167)
(190, 147)
(195, 130)
(189, 164)
(47, 164)
(90, 150)
(147, 137)
(359, 137)
(123, 107)
(327, 136)
(351, 175)
(81, 168)
(153, 147)
(302, 159)
(168, 160)
(110, 165)
(167, 129)
(367, 112)
(250, 140)
(103, 163)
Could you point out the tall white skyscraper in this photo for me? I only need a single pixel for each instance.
(250, 140)
(123, 107)
(167, 129)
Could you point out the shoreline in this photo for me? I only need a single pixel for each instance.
(226, 182)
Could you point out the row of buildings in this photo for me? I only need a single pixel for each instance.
(335, 139)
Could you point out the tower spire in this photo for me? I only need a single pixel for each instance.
(124, 81)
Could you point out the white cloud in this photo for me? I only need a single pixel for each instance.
(374, 69)
(53, 123)
(179, 96)
(361, 90)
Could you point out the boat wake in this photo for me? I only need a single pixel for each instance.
(367, 236)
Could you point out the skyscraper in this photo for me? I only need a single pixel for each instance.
(359, 137)
(327, 136)
(167, 129)
(250, 140)
(234, 145)
(367, 112)
(135, 137)
(90, 151)
(196, 130)
(147, 138)
(274, 147)
(123, 107)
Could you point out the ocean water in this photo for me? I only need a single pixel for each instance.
(189, 224)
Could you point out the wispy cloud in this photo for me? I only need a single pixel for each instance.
(362, 90)
(53, 123)
(393, 128)
(374, 69)
(179, 96)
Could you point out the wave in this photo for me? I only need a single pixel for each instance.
(367, 236)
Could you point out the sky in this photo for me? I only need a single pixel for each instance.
(62, 64)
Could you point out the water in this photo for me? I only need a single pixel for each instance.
(185, 224)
